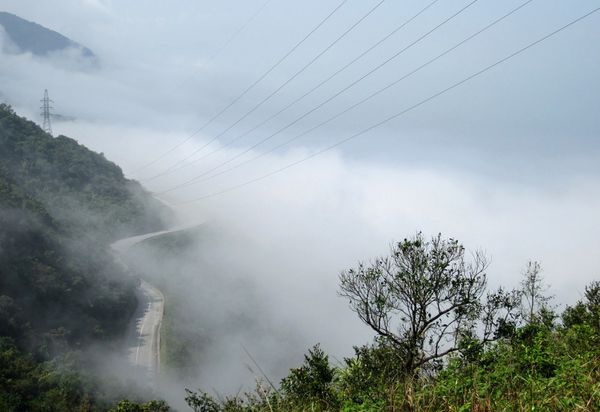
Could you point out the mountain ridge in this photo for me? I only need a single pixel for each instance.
(34, 38)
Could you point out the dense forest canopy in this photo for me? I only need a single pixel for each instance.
(60, 290)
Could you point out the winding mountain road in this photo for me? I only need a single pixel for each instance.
(144, 345)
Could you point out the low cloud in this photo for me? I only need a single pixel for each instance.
(358, 207)
(508, 164)
(272, 250)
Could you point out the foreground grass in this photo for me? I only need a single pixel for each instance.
(549, 364)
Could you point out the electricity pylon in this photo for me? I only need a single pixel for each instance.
(46, 108)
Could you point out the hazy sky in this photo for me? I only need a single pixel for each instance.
(157, 72)
(508, 162)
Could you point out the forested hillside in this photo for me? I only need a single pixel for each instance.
(82, 190)
(60, 291)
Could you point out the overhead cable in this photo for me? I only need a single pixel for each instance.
(256, 82)
(398, 114)
(210, 59)
(181, 163)
(338, 93)
(336, 73)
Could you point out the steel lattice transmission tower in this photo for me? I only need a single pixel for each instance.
(46, 108)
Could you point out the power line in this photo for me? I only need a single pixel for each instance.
(227, 42)
(198, 179)
(239, 31)
(360, 56)
(257, 81)
(343, 90)
(273, 93)
(399, 114)
(210, 59)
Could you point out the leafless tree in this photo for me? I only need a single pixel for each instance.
(534, 293)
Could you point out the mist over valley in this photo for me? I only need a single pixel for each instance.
(278, 206)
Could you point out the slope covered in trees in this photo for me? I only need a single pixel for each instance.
(60, 290)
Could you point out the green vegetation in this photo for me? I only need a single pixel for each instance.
(444, 344)
(85, 193)
(60, 290)
(152, 406)
(444, 341)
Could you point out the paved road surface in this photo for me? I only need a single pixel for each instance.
(144, 345)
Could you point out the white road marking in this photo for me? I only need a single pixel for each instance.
(147, 349)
